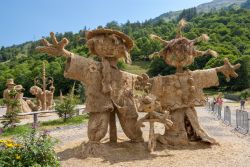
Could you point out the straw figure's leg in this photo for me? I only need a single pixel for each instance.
(97, 129)
(176, 134)
(192, 116)
(129, 126)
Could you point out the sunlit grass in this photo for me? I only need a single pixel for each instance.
(139, 67)
(47, 125)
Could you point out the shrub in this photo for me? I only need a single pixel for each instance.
(232, 97)
(11, 116)
(1, 102)
(245, 94)
(30, 150)
(66, 107)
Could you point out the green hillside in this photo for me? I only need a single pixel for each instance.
(203, 8)
(228, 30)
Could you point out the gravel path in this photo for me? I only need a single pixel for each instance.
(234, 149)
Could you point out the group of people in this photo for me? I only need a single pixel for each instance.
(219, 102)
(14, 91)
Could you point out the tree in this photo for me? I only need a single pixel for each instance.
(188, 14)
(243, 80)
(159, 67)
(66, 107)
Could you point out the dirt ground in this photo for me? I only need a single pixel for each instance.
(234, 149)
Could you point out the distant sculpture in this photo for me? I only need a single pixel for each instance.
(181, 92)
(23, 105)
(109, 90)
(7, 92)
(39, 94)
(152, 107)
(13, 92)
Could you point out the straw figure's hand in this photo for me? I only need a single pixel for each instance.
(228, 69)
(56, 48)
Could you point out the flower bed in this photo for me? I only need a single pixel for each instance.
(33, 149)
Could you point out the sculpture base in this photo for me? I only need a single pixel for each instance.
(93, 149)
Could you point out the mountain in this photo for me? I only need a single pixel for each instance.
(203, 8)
(218, 4)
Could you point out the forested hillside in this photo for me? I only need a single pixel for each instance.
(228, 30)
(204, 8)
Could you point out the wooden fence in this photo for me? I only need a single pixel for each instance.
(36, 113)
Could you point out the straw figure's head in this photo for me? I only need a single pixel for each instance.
(149, 104)
(180, 52)
(35, 90)
(110, 44)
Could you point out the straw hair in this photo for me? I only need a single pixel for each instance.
(126, 39)
(182, 24)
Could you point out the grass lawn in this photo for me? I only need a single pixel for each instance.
(138, 67)
(48, 125)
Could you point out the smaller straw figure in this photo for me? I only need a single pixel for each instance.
(152, 107)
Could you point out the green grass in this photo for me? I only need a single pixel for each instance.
(19, 130)
(138, 67)
(48, 125)
(59, 122)
(1, 102)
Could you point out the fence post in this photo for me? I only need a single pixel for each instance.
(35, 119)
(246, 124)
(227, 115)
(237, 119)
(241, 120)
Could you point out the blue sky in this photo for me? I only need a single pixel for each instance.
(26, 20)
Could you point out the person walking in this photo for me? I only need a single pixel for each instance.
(242, 104)
(219, 103)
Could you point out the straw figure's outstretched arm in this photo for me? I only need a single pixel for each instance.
(228, 69)
(56, 48)
(159, 39)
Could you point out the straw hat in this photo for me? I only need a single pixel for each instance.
(19, 88)
(10, 82)
(126, 39)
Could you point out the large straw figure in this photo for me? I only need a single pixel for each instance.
(181, 92)
(108, 89)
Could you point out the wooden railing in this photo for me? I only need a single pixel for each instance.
(36, 113)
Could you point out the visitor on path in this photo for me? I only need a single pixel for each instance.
(213, 103)
(242, 104)
(206, 97)
(219, 103)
